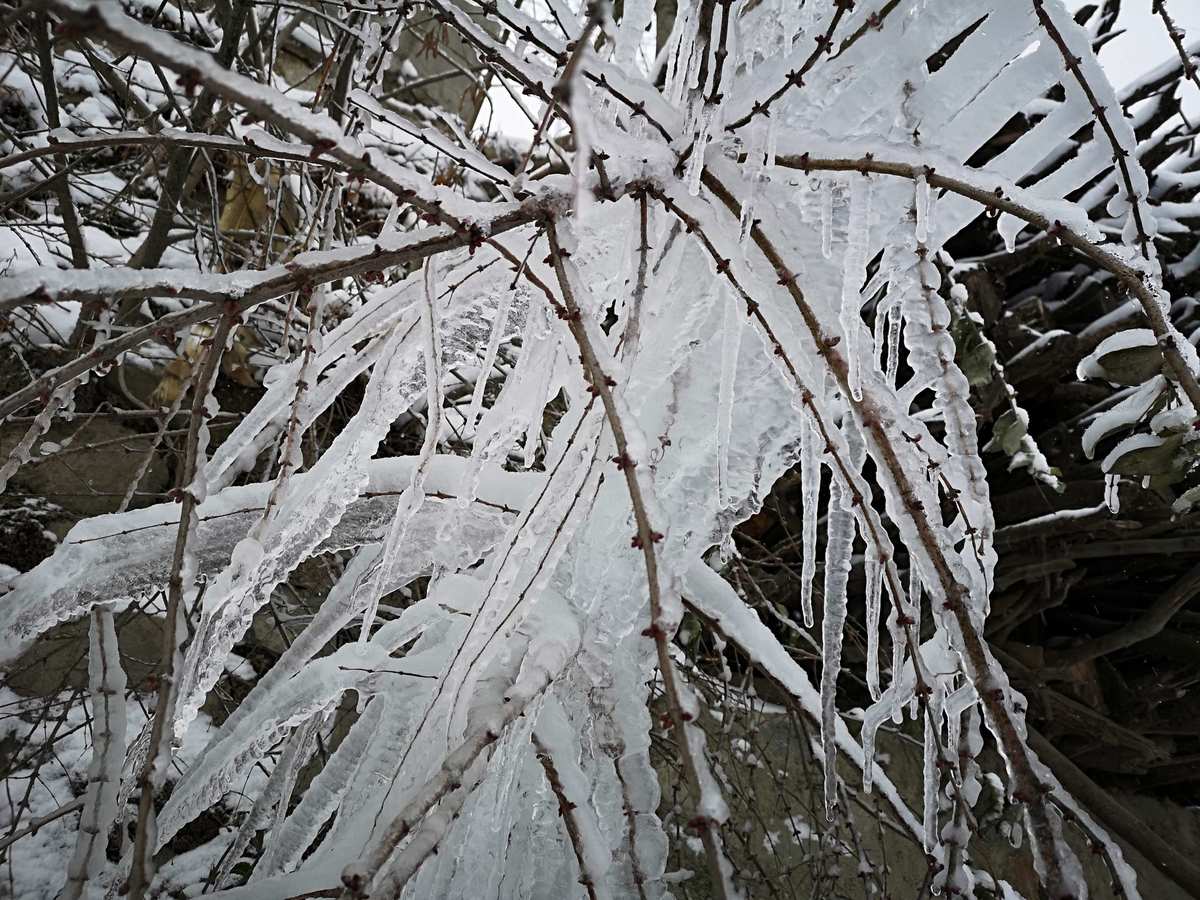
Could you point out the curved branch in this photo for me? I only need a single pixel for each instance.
(1120, 154)
(1131, 278)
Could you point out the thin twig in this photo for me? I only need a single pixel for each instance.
(150, 777)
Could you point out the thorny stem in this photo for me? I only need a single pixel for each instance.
(151, 451)
(314, 308)
(567, 810)
(720, 53)
(632, 335)
(107, 693)
(113, 26)
(1189, 68)
(1120, 156)
(562, 89)
(60, 144)
(639, 876)
(873, 21)
(173, 184)
(40, 822)
(647, 537)
(149, 778)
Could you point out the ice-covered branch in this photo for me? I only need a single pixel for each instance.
(1120, 135)
(632, 460)
(153, 772)
(1190, 70)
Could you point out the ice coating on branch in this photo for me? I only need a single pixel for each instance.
(810, 488)
(106, 684)
(271, 805)
(323, 795)
(931, 771)
(554, 737)
(874, 598)
(489, 360)
(1132, 194)
(256, 566)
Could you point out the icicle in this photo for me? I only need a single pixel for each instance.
(827, 217)
(756, 155)
(681, 58)
(731, 339)
(874, 573)
(878, 712)
(879, 334)
(1112, 493)
(636, 18)
(931, 780)
(518, 408)
(838, 550)
(895, 317)
(538, 394)
(922, 206)
(1009, 226)
(810, 490)
(582, 130)
(914, 603)
(275, 794)
(695, 164)
(772, 144)
(898, 635)
(854, 274)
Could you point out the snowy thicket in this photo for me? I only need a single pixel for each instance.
(713, 265)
